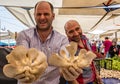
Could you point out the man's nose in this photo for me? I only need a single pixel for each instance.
(76, 33)
(42, 16)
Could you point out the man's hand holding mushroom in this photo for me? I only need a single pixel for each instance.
(71, 67)
(71, 73)
(25, 65)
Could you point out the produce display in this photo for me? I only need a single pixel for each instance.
(30, 62)
(83, 59)
(115, 63)
(104, 73)
(110, 70)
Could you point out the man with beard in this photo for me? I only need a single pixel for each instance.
(74, 33)
(44, 38)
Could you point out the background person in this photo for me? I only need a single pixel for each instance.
(114, 49)
(74, 33)
(107, 43)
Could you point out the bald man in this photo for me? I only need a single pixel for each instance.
(44, 38)
(74, 33)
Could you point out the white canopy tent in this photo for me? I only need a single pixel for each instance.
(91, 18)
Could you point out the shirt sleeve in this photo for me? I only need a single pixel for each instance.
(22, 39)
(65, 42)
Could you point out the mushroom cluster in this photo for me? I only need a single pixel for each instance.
(31, 62)
(83, 59)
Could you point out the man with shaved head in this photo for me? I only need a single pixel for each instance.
(43, 38)
(73, 30)
(74, 33)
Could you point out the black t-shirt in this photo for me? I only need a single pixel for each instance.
(3, 61)
(112, 52)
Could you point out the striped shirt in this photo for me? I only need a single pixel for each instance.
(54, 43)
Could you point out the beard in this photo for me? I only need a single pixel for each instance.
(76, 38)
(43, 28)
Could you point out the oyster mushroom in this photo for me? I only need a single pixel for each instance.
(30, 62)
(11, 70)
(83, 59)
(16, 55)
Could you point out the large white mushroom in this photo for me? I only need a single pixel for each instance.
(31, 62)
(83, 59)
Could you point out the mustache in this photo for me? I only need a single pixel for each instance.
(80, 35)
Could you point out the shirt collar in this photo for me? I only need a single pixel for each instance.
(50, 35)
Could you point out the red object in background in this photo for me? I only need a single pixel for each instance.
(99, 55)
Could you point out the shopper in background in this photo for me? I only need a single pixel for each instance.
(114, 49)
(74, 33)
(44, 38)
(99, 43)
(93, 46)
(107, 43)
(102, 49)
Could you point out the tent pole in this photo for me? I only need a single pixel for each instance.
(0, 30)
(116, 36)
